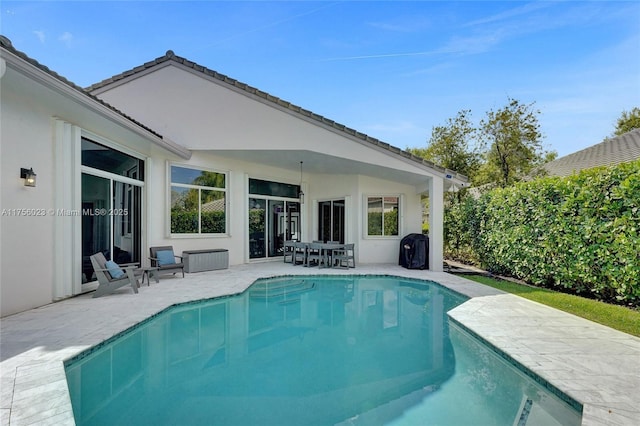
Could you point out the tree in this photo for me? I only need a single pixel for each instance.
(450, 145)
(627, 122)
(511, 139)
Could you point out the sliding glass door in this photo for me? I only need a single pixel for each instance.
(274, 217)
(111, 206)
(331, 220)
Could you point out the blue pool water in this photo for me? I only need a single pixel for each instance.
(312, 350)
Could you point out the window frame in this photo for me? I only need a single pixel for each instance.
(200, 188)
(366, 199)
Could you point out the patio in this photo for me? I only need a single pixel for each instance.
(595, 365)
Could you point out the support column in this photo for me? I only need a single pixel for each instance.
(436, 219)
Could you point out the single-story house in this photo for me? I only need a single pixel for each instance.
(173, 153)
(609, 152)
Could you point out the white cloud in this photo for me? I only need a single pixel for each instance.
(40, 35)
(66, 38)
(403, 25)
(511, 13)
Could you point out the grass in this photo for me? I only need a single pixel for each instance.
(617, 317)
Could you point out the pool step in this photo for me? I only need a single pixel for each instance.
(279, 289)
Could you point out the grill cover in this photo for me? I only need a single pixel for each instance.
(414, 251)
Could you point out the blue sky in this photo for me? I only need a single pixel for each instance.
(390, 69)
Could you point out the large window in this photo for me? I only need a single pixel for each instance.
(382, 216)
(198, 201)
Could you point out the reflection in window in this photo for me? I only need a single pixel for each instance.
(382, 216)
(109, 160)
(198, 201)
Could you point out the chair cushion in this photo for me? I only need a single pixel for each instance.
(114, 269)
(165, 257)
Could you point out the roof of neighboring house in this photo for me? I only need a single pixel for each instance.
(213, 206)
(6, 44)
(619, 149)
(170, 56)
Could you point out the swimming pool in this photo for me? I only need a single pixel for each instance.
(305, 351)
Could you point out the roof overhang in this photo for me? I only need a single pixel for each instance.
(321, 163)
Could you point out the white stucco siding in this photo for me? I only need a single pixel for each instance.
(385, 249)
(26, 241)
(40, 119)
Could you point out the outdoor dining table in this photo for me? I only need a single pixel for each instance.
(325, 252)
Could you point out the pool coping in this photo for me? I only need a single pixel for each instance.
(595, 365)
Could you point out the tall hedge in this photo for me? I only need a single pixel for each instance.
(580, 233)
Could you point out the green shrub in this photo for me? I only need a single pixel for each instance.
(579, 234)
(186, 222)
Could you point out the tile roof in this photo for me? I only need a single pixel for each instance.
(171, 56)
(609, 152)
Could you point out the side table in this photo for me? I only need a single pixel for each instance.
(148, 272)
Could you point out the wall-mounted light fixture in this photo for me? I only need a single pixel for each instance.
(301, 194)
(29, 176)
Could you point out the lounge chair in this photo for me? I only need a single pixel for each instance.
(112, 276)
(164, 259)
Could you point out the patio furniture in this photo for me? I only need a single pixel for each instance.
(328, 249)
(289, 251)
(164, 259)
(300, 253)
(112, 276)
(148, 272)
(205, 260)
(344, 257)
(314, 254)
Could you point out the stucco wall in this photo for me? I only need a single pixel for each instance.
(26, 256)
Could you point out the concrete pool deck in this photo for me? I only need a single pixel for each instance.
(595, 365)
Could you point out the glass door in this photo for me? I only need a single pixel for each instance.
(111, 206)
(274, 217)
(257, 227)
(271, 223)
(96, 228)
(331, 220)
(111, 217)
